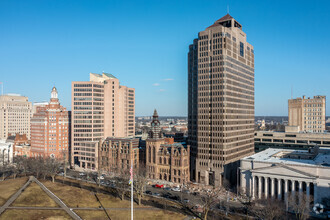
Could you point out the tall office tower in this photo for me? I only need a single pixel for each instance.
(50, 129)
(15, 115)
(101, 108)
(307, 114)
(220, 101)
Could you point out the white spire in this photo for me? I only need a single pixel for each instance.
(54, 93)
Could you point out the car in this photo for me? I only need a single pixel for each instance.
(159, 186)
(174, 197)
(186, 200)
(156, 194)
(82, 174)
(167, 196)
(148, 192)
(186, 191)
(167, 188)
(176, 189)
(101, 177)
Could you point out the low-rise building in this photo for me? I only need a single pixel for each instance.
(21, 144)
(277, 173)
(117, 154)
(291, 139)
(165, 159)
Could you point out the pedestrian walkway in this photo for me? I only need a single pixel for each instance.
(14, 197)
(49, 193)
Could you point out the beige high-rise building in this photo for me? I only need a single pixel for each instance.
(220, 101)
(101, 108)
(15, 115)
(307, 114)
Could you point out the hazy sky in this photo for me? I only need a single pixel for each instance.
(145, 44)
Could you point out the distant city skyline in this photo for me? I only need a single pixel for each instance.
(52, 43)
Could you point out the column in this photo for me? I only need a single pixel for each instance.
(300, 191)
(286, 193)
(272, 187)
(293, 187)
(315, 193)
(307, 194)
(259, 187)
(279, 188)
(253, 190)
(266, 187)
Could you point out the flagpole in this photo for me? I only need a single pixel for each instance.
(132, 190)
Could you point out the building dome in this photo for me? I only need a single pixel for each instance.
(54, 93)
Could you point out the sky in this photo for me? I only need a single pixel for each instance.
(145, 44)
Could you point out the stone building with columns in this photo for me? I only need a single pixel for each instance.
(277, 173)
(166, 160)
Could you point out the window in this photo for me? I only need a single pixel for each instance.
(241, 49)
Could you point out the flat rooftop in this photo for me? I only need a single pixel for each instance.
(272, 155)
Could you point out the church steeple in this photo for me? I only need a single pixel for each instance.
(155, 132)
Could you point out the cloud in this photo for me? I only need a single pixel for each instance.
(169, 79)
(162, 90)
(155, 84)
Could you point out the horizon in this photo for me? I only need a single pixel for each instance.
(49, 43)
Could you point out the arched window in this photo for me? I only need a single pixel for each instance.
(154, 155)
(164, 160)
(160, 160)
(149, 154)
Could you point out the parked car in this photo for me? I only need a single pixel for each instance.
(148, 192)
(159, 186)
(186, 200)
(82, 174)
(101, 177)
(167, 188)
(176, 189)
(156, 194)
(174, 197)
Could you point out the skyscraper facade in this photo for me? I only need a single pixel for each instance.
(50, 129)
(220, 101)
(101, 108)
(15, 115)
(307, 114)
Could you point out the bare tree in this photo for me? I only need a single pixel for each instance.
(269, 209)
(139, 183)
(65, 161)
(122, 182)
(209, 199)
(53, 167)
(36, 165)
(299, 204)
(4, 168)
(246, 200)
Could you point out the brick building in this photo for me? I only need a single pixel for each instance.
(21, 144)
(166, 160)
(50, 129)
(117, 154)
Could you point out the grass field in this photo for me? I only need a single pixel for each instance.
(126, 215)
(34, 214)
(34, 196)
(73, 197)
(10, 187)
